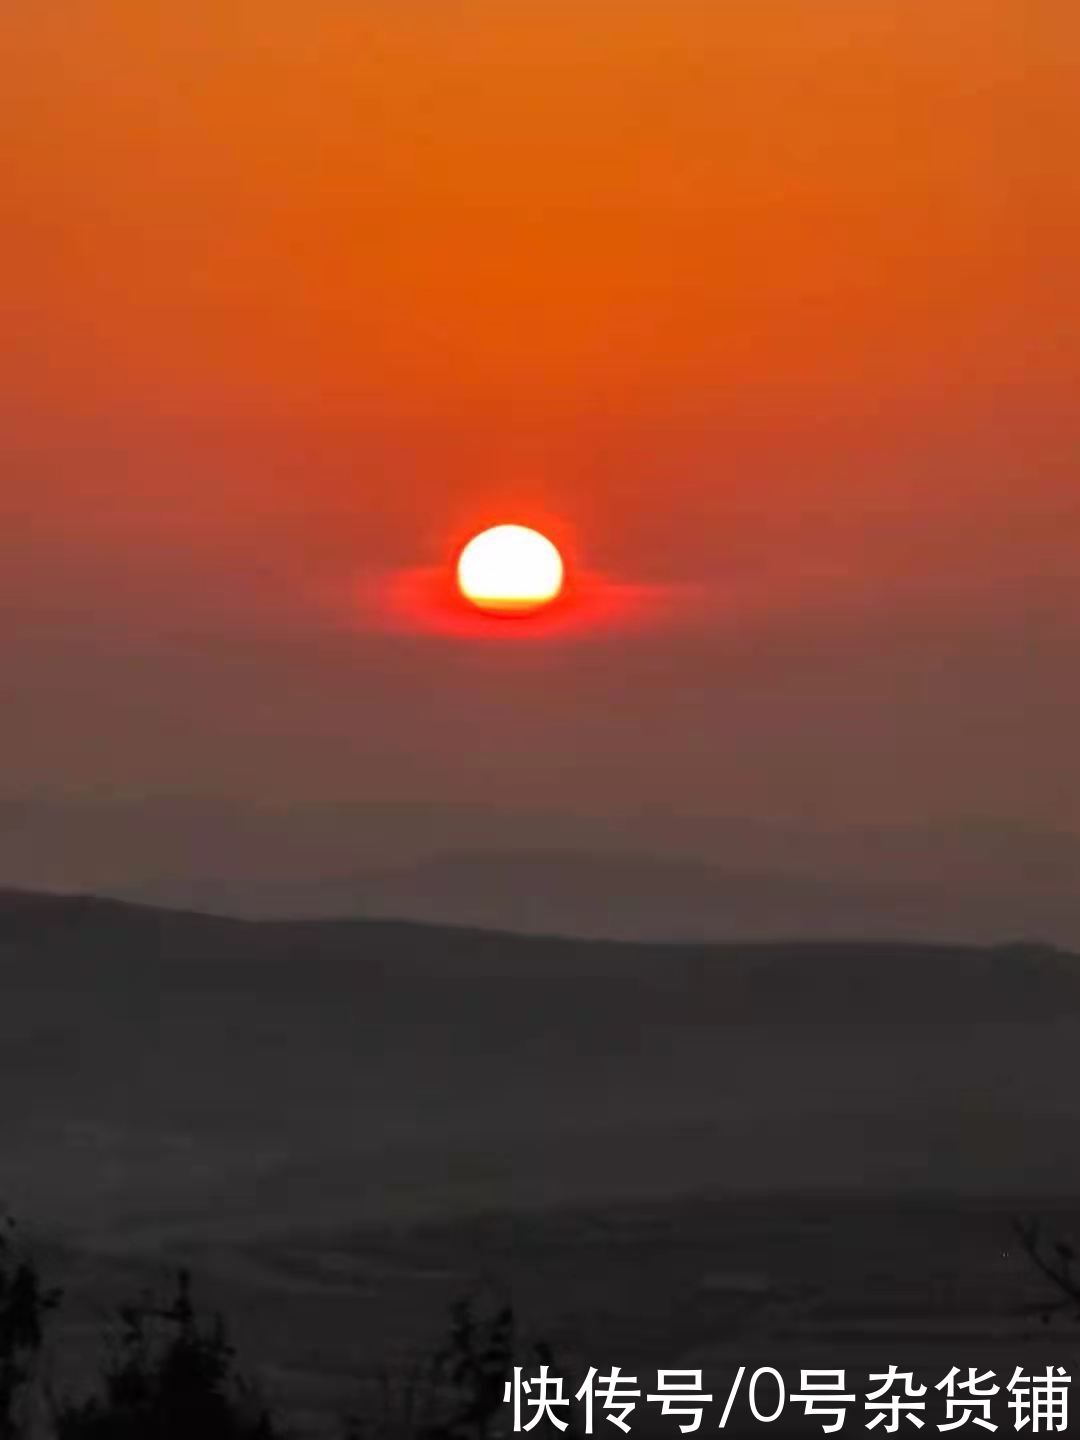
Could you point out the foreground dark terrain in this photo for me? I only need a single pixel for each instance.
(663, 1155)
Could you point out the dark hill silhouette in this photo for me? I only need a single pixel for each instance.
(759, 982)
(163, 1065)
(275, 1103)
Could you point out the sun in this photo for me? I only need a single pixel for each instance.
(510, 570)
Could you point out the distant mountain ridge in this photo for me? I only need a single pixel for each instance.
(633, 877)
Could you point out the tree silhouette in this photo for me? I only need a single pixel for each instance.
(171, 1376)
(24, 1305)
(457, 1394)
(1056, 1260)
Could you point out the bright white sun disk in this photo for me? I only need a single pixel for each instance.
(510, 569)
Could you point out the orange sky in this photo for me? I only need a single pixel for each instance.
(774, 299)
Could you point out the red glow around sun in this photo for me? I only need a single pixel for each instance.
(534, 588)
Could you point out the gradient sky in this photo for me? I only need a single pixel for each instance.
(772, 305)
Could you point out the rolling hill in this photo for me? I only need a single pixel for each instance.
(166, 1068)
